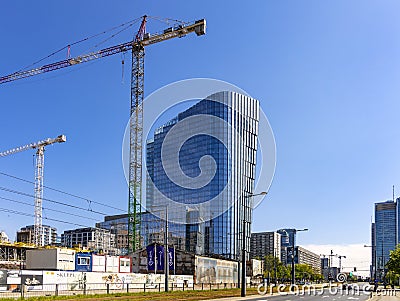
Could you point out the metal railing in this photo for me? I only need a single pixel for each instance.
(82, 288)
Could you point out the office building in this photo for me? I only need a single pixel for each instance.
(288, 236)
(265, 243)
(386, 219)
(150, 224)
(304, 256)
(49, 235)
(96, 239)
(215, 228)
(118, 226)
(373, 252)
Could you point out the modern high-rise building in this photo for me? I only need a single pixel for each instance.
(265, 243)
(49, 235)
(386, 219)
(231, 170)
(288, 236)
(373, 252)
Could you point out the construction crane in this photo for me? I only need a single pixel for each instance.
(38, 235)
(141, 40)
(340, 261)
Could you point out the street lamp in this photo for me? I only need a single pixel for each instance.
(243, 287)
(293, 268)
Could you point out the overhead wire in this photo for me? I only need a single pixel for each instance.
(49, 209)
(62, 192)
(50, 200)
(47, 218)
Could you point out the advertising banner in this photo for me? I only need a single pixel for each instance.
(160, 257)
(151, 257)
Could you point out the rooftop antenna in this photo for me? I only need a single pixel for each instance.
(393, 193)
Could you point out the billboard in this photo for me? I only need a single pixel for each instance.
(212, 270)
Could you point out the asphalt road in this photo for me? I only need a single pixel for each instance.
(333, 294)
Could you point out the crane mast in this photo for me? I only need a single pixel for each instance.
(39, 166)
(137, 46)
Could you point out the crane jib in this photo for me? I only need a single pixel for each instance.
(199, 27)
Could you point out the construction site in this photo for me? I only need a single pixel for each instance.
(137, 49)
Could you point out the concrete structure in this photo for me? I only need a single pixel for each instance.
(50, 259)
(96, 239)
(13, 255)
(48, 235)
(265, 243)
(201, 231)
(304, 256)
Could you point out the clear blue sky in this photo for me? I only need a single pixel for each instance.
(326, 73)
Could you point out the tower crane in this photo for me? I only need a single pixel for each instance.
(39, 166)
(141, 40)
(340, 261)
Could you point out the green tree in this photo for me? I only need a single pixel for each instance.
(393, 265)
(270, 262)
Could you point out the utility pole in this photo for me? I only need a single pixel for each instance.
(275, 266)
(243, 290)
(166, 255)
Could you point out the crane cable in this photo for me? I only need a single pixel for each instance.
(129, 23)
(63, 192)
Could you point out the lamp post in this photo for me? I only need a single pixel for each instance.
(293, 267)
(243, 282)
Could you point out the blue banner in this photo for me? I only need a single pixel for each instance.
(171, 259)
(151, 257)
(160, 258)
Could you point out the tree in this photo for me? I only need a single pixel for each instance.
(393, 264)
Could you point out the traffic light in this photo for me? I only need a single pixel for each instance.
(355, 269)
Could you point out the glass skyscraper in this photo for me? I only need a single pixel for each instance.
(207, 219)
(385, 228)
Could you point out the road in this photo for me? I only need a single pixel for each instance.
(333, 294)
